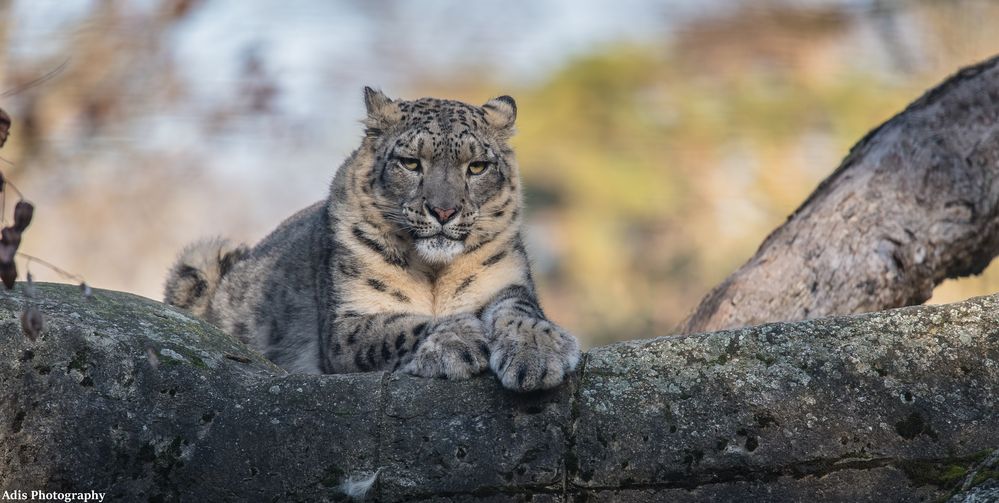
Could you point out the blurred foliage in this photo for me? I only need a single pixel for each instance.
(666, 183)
(653, 167)
(658, 169)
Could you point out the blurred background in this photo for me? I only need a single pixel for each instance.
(660, 141)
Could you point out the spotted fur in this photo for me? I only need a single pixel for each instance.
(415, 261)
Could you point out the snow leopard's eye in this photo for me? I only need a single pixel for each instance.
(477, 167)
(409, 163)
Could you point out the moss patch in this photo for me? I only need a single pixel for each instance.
(948, 473)
(943, 475)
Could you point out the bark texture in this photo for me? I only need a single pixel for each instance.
(893, 406)
(915, 202)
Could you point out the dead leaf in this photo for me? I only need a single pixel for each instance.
(32, 322)
(23, 211)
(8, 273)
(7, 252)
(10, 236)
(4, 126)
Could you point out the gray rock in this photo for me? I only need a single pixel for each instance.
(892, 406)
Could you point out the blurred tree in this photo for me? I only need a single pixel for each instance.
(119, 71)
(915, 202)
(84, 140)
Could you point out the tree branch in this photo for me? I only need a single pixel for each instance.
(915, 202)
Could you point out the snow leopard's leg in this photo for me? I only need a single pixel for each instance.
(528, 352)
(452, 347)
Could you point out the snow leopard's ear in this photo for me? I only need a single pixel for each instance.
(382, 112)
(501, 113)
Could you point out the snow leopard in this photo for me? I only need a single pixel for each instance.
(415, 262)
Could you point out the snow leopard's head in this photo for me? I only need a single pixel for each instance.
(444, 172)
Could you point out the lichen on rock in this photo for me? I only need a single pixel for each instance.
(894, 406)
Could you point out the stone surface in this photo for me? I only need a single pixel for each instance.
(481, 438)
(792, 399)
(892, 406)
(84, 408)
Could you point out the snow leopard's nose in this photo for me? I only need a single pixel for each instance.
(443, 215)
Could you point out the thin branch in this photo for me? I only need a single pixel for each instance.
(65, 274)
(8, 183)
(38, 81)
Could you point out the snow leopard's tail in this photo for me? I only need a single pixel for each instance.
(199, 269)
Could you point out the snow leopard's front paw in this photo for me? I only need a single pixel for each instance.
(531, 353)
(454, 348)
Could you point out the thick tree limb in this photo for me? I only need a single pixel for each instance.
(915, 202)
(894, 406)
